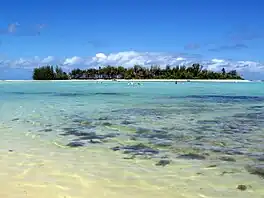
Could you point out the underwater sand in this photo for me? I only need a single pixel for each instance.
(211, 120)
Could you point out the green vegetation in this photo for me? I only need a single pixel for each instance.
(49, 73)
(195, 71)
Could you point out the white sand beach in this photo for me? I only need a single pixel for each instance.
(137, 80)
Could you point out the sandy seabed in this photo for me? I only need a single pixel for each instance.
(31, 167)
(37, 167)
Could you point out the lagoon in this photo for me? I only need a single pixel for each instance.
(154, 139)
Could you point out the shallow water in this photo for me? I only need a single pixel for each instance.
(80, 139)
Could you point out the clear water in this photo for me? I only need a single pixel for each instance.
(206, 132)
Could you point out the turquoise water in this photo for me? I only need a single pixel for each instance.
(207, 125)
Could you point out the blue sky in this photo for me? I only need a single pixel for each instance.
(83, 33)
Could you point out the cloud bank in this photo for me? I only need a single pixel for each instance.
(130, 58)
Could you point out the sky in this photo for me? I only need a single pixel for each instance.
(92, 33)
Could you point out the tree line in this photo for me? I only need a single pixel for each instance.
(49, 73)
(195, 71)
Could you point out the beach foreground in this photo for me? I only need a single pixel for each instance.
(115, 140)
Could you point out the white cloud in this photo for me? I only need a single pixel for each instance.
(130, 58)
(180, 59)
(216, 64)
(100, 55)
(72, 61)
(48, 59)
(217, 60)
(27, 63)
(21, 61)
(250, 66)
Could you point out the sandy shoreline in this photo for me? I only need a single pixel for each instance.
(134, 80)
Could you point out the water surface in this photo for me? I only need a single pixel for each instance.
(79, 139)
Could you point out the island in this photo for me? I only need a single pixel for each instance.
(195, 71)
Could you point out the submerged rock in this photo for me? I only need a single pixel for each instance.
(111, 135)
(242, 187)
(227, 98)
(228, 159)
(162, 143)
(116, 148)
(257, 169)
(127, 122)
(257, 156)
(138, 149)
(76, 133)
(46, 130)
(141, 130)
(163, 162)
(95, 141)
(141, 112)
(86, 135)
(212, 166)
(133, 138)
(130, 157)
(227, 172)
(192, 156)
(227, 151)
(85, 123)
(94, 136)
(69, 131)
(260, 158)
(199, 173)
(235, 151)
(107, 124)
(75, 144)
(103, 118)
(204, 122)
(216, 149)
(153, 134)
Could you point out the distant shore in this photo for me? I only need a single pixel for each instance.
(137, 80)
